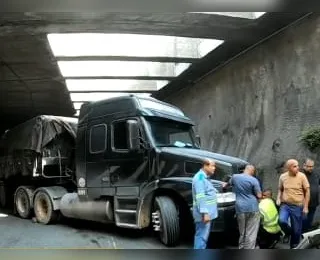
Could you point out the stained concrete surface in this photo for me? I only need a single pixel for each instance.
(257, 106)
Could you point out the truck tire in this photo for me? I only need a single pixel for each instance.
(22, 202)
(3, 197)
(43, 208)
(168, 216)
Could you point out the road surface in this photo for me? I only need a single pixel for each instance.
(21, 233)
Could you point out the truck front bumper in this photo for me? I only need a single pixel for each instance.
(226, 221)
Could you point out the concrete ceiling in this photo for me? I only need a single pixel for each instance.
(31, 82)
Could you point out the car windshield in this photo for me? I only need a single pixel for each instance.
(172, 134)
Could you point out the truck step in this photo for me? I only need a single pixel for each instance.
(126, 211)
(126, 203)
(127, 225)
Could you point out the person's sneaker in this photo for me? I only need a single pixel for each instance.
(293, 246)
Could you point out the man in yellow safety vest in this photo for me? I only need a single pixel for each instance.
(270, 231)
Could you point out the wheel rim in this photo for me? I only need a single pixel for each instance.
(42, 207)
(22, 202)
(157, 221)
(161, 230)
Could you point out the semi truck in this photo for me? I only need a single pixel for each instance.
(127, 161)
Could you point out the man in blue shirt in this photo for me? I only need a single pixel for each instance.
(204, 203)
(248, 191)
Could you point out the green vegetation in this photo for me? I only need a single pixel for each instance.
(310, 137)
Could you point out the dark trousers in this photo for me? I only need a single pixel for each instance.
(267, 240)
(308, 219)
(295, 228)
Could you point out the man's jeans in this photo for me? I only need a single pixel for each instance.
(307, 220)
(249, 224)
(202, 233)
(295, 213)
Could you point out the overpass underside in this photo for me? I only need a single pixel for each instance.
(52, 63)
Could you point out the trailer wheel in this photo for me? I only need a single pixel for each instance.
(43, 208)
(22, 203)
(3, 197)
(165, 219)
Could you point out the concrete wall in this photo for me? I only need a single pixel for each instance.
(257, 105)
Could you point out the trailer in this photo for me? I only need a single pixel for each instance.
(127, 160)
(36, 154)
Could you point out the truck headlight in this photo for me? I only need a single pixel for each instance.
(227, 197)
(81, 182)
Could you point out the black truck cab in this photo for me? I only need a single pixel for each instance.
(138, 156)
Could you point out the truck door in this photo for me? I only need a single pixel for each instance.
(96, 164)
(128, 170)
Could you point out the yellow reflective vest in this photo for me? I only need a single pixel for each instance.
(269, 216)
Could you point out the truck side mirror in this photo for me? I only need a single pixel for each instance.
(198, 139)
(133, 135)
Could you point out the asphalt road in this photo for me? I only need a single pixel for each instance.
(21, 233)
(74, 234)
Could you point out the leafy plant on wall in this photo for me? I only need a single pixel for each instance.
(310, 137)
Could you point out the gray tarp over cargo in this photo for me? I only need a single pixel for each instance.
(20, 145)
(37, 132)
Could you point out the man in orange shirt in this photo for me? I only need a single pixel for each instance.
(293, 199)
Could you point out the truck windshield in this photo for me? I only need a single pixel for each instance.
(173, 134)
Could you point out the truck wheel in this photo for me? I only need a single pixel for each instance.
(3, 197)
(166, 220)
(43, 208)
(22, 202)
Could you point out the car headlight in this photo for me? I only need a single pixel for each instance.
(227, 197)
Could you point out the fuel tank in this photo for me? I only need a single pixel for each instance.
(72, 207)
